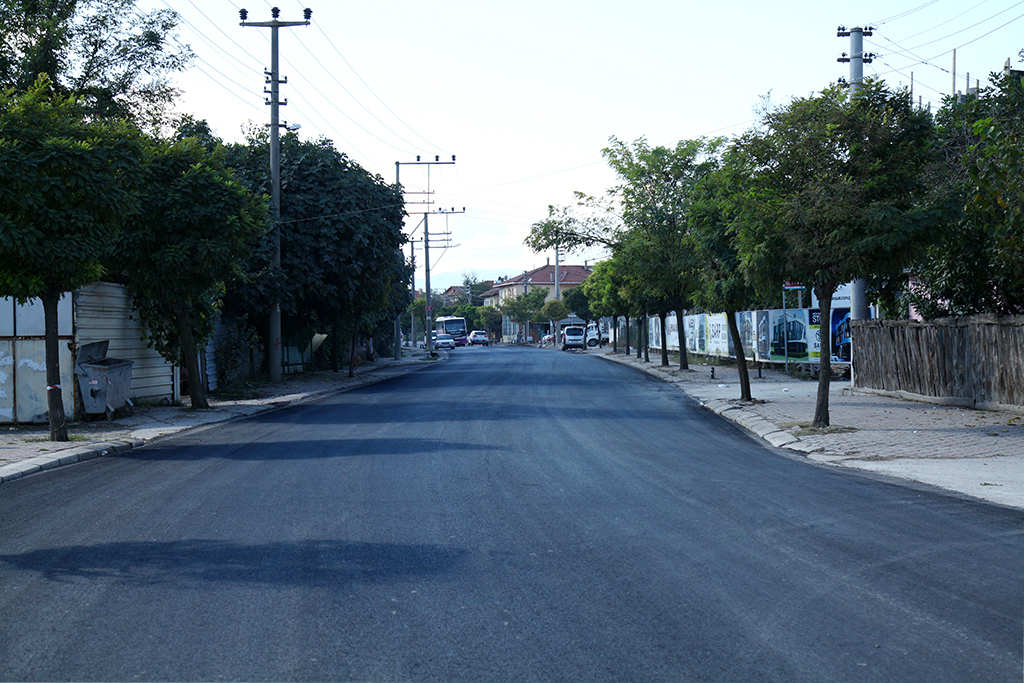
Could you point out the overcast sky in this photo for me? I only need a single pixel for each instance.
(527, 94)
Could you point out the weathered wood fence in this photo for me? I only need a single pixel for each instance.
(975, 361)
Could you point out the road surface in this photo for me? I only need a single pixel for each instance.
(511, 514)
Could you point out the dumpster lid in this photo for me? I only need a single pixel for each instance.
(92, 351)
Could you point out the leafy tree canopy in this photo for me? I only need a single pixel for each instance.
(577, 301)
(603, 288)
(522, 308)
(835, 192)
(977, 268)
(66, 188)
(195, 228)
(340, 231)
(554, 310)
(106, 51)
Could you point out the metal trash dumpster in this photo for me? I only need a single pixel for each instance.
(104, 382)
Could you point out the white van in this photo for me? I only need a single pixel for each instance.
(572, 338)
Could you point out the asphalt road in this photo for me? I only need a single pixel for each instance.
(509, 515)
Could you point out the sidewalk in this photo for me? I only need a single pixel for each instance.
(27, 449)
(975, 452)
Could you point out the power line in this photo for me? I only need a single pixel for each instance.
(967, 28)
(904, 14)
(356, 100)
(378, 98)
(953, 18)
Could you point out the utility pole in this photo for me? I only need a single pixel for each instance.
(558, 283)
(857, 58)
(273, 78)
(426, 236)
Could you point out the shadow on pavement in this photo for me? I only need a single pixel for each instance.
(302, 563)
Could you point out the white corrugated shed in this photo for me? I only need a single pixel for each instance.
(103, 311)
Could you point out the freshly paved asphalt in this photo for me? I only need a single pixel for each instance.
(599, 526)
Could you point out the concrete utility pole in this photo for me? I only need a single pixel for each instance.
(558, 283)
(274, 350)
(426, 236)
(857, 58)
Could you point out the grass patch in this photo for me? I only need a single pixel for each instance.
(805, 429)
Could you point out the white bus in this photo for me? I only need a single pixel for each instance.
(455, 326)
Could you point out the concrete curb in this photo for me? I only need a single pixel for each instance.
(66, 457)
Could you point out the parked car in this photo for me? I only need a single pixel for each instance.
(573, 337)
(478, 337)
(444, 341)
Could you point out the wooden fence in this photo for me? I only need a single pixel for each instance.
(975, 361)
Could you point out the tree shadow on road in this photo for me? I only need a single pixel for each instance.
(311, 563)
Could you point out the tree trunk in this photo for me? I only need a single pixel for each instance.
(821, 418)
(639, 337)
(647, 338)
(664, 339)
(188, 349)
(352, 352)
(741, 357)
(627, 335)
(54, 396)
(684, 363)
(615, 334)
(335, 348)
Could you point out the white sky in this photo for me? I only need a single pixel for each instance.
(526, 94)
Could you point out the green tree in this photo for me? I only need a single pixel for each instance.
(655, 191)
(638, 265)
(195, 228)
(490, 320)
(341, 234)
(835, 194)
(997, 172)
(976, 267)
(603, 288)
(592, 221)
(418, 308)
(113, 56)
(522, 308)
(644, 218)
(724, 287)
(553, 311)
(577, 301)
(468, 311)
(66, 188)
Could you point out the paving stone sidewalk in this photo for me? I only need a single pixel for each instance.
(979, 453)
